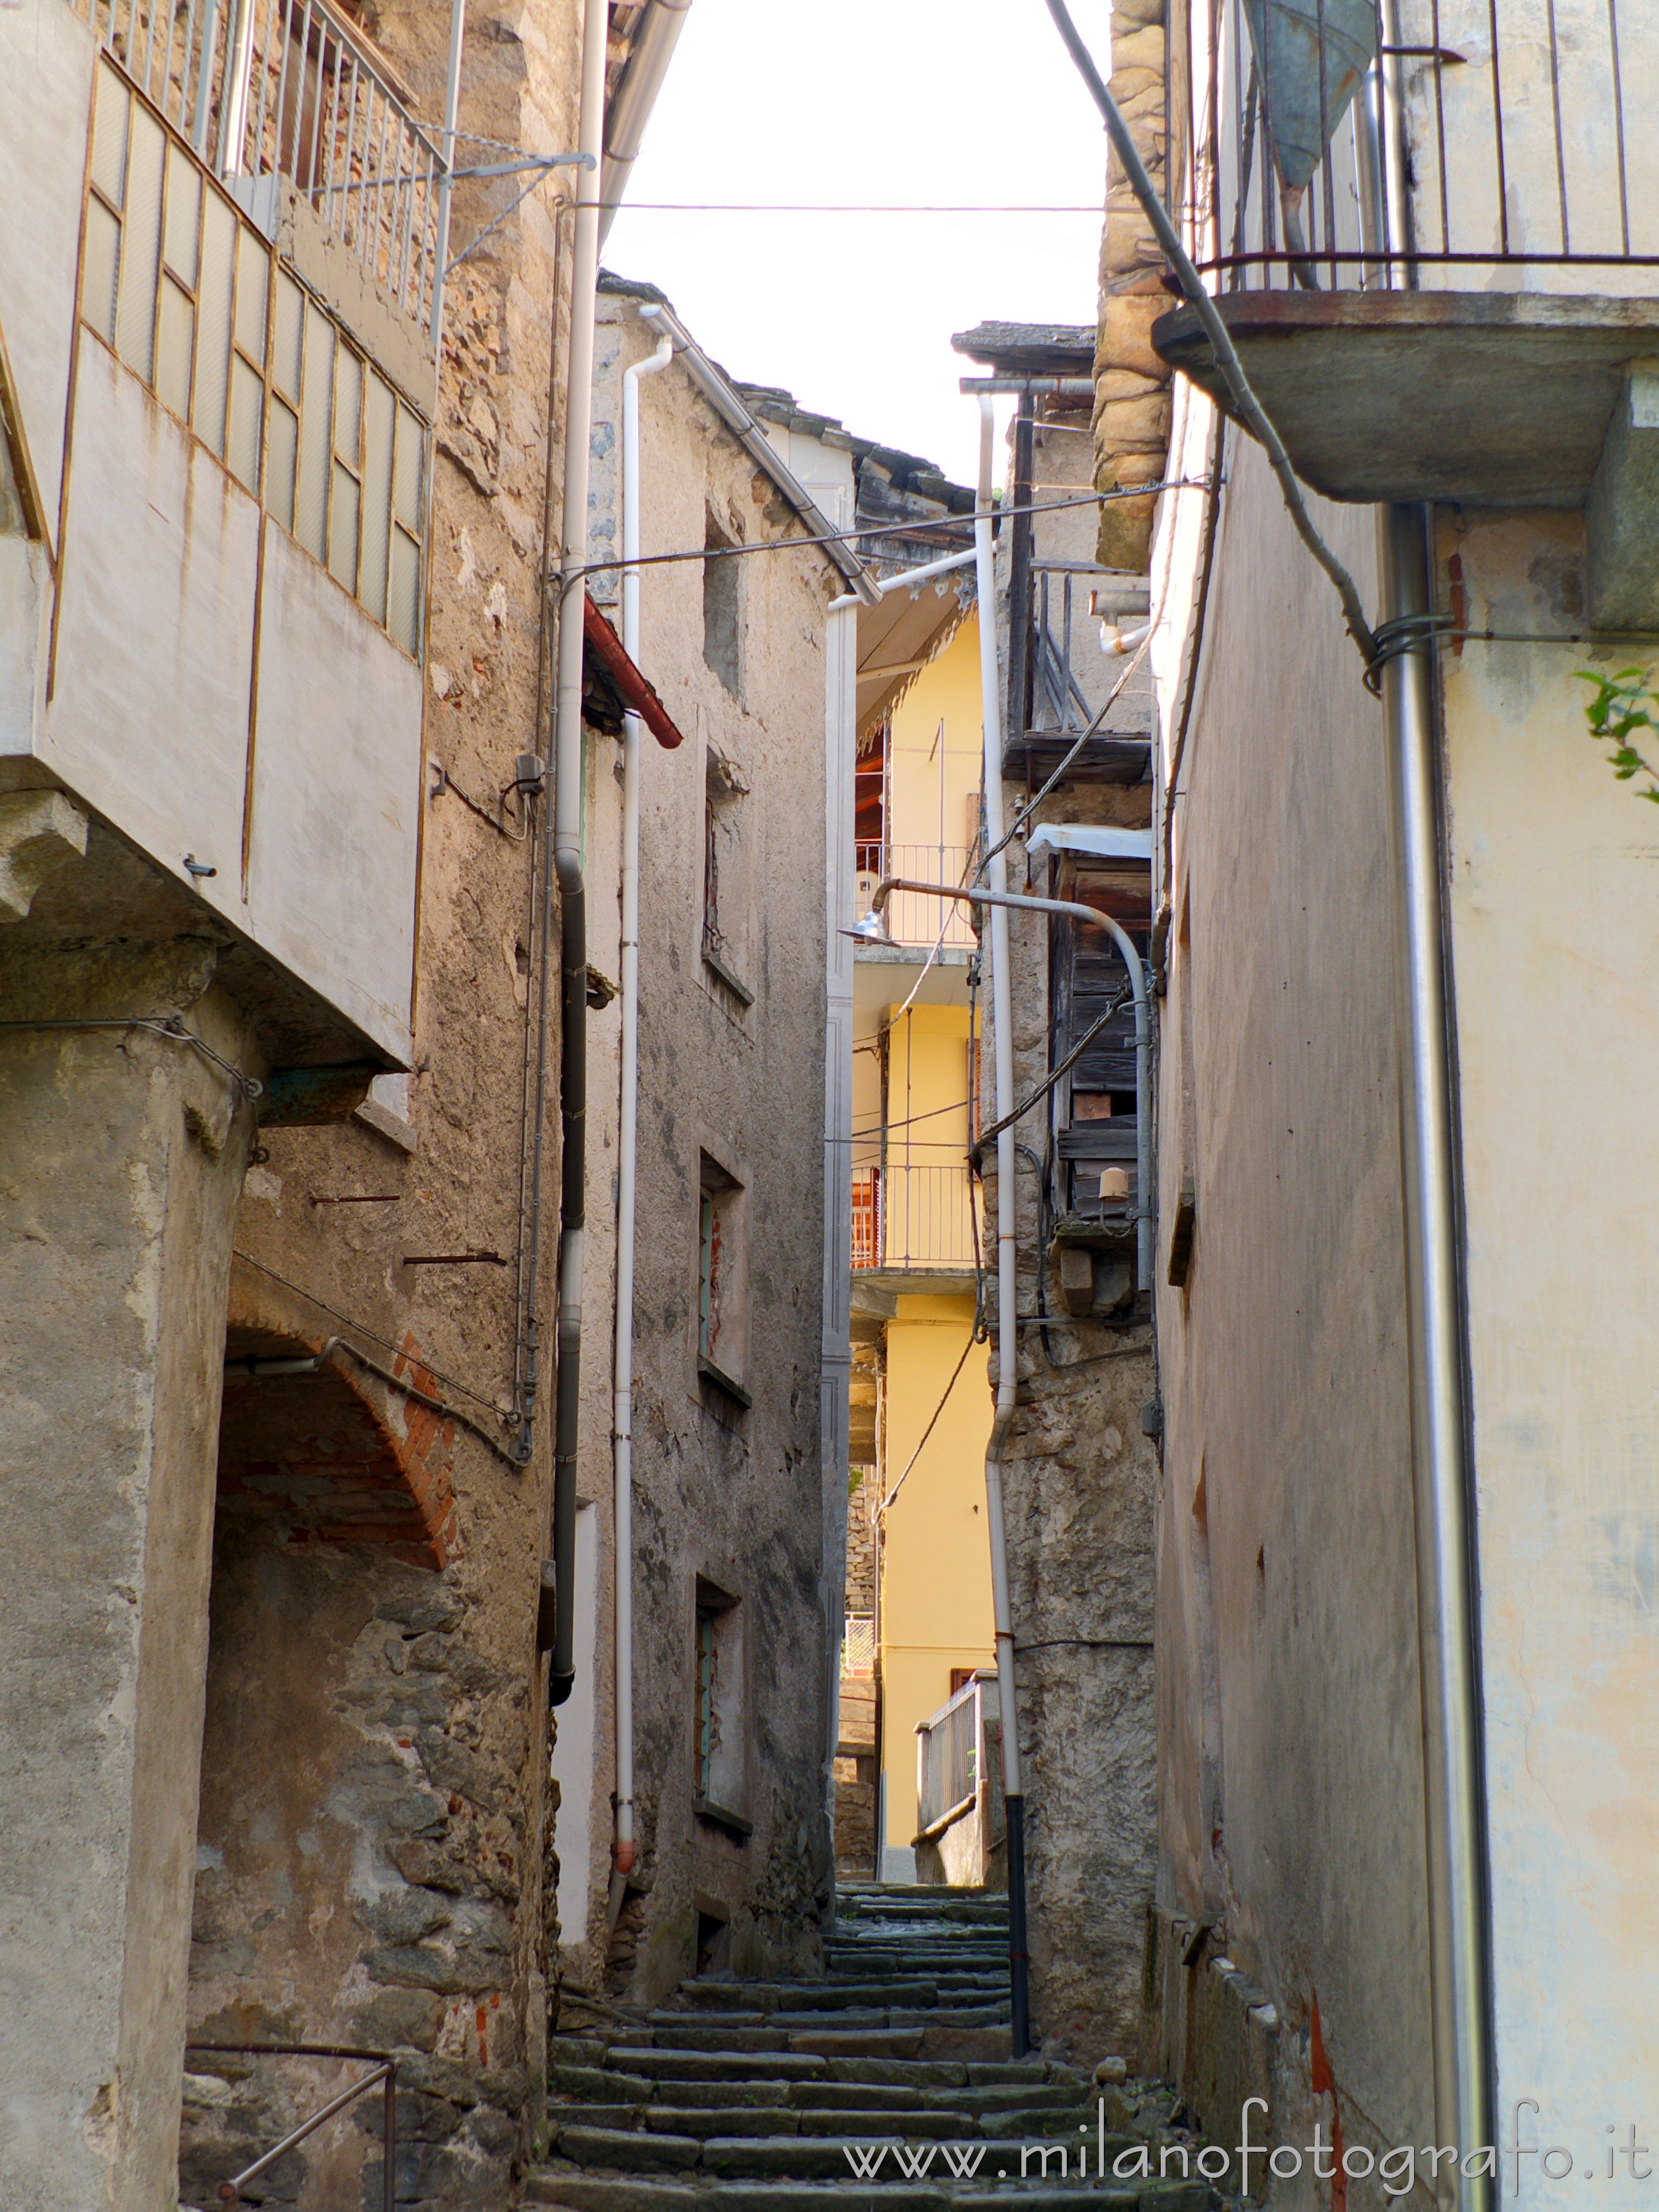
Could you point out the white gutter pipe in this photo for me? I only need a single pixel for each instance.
(636, 96)
(907, 579)
(627, 1130)
(1002, 1019)
(1076, 911)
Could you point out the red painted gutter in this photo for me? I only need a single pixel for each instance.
(633, 688)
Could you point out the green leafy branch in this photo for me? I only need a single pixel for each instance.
(1624, 705)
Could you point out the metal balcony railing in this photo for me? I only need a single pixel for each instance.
(1344, 145)
(919, 1217)
(263, 89)
(912, 918)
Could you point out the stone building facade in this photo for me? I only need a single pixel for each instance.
(729, 1487)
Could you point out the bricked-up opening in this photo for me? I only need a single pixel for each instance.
(357, 1844)
(338, 1456)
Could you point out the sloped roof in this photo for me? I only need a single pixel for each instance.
(1030, 348)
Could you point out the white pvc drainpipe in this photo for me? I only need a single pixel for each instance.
(1002, 1020)
(628, 1129)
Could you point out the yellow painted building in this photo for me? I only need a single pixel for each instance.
(913, 1223)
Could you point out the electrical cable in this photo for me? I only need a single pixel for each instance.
(1054, 1075)
(1215, 330)
(956, 522)
(931, 1426)
(398, 1352)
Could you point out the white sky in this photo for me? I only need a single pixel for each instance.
(862, 100)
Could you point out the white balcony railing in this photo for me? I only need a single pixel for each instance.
(913, 918)
(959, 1810)
(916, 1217)
(263, 89)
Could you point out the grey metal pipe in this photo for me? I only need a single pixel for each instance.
(558, 1631)
(636, 96)
(1452, 1763)
(1002, 1042)
(1132, 961)
(447, 184)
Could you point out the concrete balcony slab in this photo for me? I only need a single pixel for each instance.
(1490, 400)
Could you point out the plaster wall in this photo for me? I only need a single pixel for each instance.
(934, 773)
(1288, 1714)
(935, 1556)
(124, 1158)
(46, 107)
(1554, 903)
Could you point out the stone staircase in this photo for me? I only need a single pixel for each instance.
(750, 2096)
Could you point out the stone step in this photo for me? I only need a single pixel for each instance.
(681, 2033)
(818, 1996)
(676, 2119)
(598, 2084)
(654, 2065)
(634, 2150)
(596, 2193)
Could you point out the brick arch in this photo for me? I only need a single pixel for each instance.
(338, 1456)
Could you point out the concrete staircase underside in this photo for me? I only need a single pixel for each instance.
(748, 2096)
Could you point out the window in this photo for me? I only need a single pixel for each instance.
(722, 611)
(726, 904)
(722, 1302)
(722, 1744)
(1094, 1105)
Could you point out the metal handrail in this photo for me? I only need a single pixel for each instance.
(385, 2073)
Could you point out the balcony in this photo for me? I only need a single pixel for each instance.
(224, 236)
(914, 921)
(915, 1220)
(290, 106)
(961, 1822)
(1430, 229)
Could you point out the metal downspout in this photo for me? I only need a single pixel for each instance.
(1453, 1759)
(568, 868)
(1442, 1488)
(628, 1123)
(1007, 1333)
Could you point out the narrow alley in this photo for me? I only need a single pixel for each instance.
(827, 1007)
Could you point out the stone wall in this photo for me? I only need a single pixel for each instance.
(1132, 384)
(373, 1838)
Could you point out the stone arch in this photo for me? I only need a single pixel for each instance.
(339, 1456)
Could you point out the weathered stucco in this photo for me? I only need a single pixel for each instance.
(1550, 864)
(124, 1156)
(1290, 1755)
